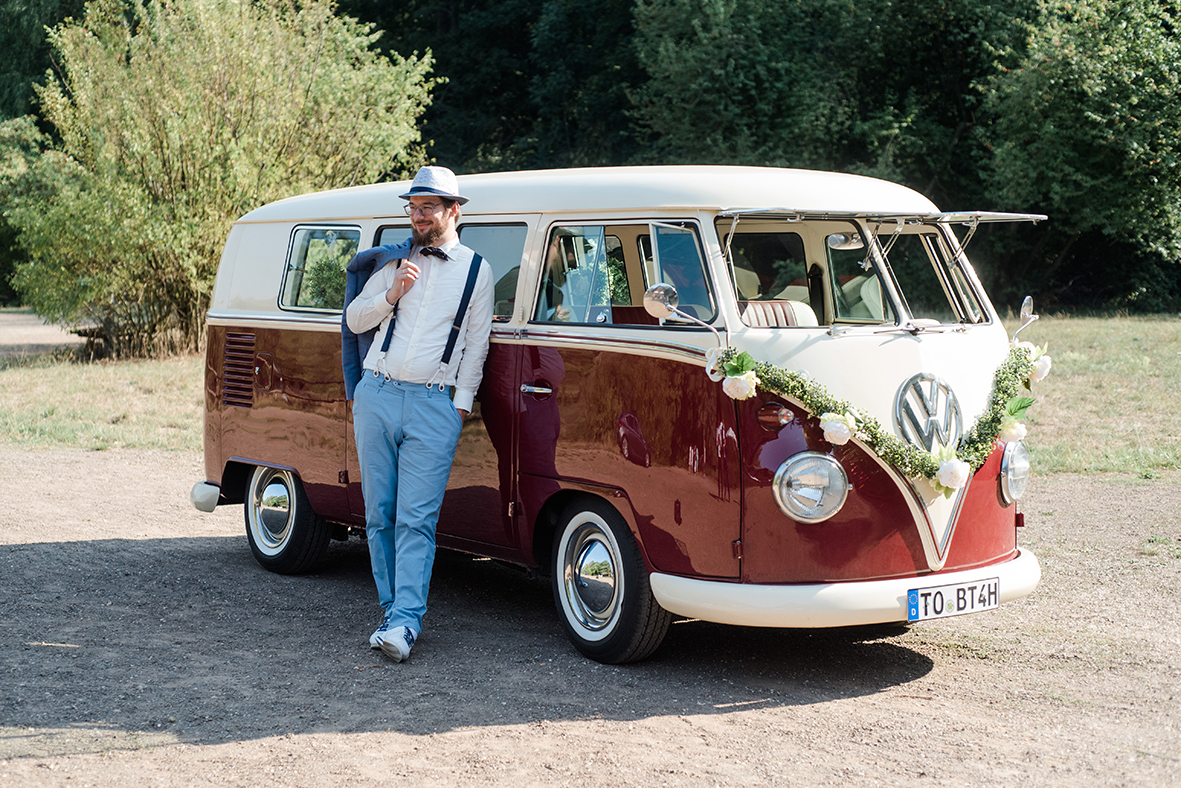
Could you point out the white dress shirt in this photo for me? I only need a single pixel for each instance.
(426, 313)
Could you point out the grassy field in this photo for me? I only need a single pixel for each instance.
(55, 400)
(1107, 404)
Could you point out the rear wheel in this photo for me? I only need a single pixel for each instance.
(285, 535)
(601, 586)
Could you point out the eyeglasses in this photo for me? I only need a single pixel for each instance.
(426, 209)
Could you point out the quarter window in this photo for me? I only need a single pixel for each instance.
(678, 262)
(315, 267)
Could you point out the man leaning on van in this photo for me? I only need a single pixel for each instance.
(415, 338)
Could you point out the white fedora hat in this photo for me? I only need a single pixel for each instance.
(435, 180)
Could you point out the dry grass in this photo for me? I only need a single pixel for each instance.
(57, 400)
(1109, 401)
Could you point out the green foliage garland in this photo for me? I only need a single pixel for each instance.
(974, 448)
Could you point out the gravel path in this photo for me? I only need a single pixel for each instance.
(141, 644)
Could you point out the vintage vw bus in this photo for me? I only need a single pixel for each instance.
(600, 452)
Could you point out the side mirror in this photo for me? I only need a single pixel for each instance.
(1027, 315)
(661, 300)
(846, 241)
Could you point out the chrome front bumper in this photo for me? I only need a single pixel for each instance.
(826, 604)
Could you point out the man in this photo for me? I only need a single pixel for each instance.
(404, 418)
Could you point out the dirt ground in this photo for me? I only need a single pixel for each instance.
(141, 644)
(25, 334)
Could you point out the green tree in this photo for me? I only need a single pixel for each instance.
(1088, 130)
(740, 82)
(176, 118)
(24, 49)
(481, 108)
(583, 68)
(24, 58)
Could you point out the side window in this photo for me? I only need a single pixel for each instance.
(315, 267)
(857, 291)
(677, 261)
(389, 236)
(576, 277)
(502, 245)
(770, 273)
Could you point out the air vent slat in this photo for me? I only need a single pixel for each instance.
(238, 371)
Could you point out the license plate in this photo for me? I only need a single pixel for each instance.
(952, 600)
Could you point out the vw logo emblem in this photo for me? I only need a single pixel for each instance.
(927, 413)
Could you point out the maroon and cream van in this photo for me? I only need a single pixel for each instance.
(753, 396)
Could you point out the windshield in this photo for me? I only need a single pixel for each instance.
(814, 273)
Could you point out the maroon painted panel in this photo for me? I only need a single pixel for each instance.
(481, 486)
(873, 536)
(986, 531)
(298, 415)
(659, 430)
(214, 459)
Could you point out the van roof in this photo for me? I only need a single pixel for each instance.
(620, 189)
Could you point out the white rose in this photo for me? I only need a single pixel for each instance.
(838, 428)
(741, 386)
(711, 364)
(953, 474)
(1012, 430)
(1029, 347)
(1040, 370)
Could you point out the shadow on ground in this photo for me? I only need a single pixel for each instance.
(123, 643)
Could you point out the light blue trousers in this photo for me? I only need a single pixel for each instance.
(406, 436)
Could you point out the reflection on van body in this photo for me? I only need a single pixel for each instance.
(598, 451)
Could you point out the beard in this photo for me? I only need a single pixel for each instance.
(429, 237)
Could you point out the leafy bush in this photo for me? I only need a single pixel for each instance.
(176, 118)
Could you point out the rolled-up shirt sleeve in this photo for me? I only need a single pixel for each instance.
(475, 341)
(370, 308)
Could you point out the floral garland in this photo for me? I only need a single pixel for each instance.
(949, 468)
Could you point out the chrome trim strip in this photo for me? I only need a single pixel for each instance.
(631, 345)
(948, 217)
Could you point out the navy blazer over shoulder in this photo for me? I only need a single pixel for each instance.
(354, 347)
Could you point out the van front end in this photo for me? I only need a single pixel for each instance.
(833, 532)
(832, 536)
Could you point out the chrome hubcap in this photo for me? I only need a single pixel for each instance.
(591, 577)
(271, 503)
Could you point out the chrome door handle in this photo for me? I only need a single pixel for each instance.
(527, 389)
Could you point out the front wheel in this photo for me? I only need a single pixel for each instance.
(601, 586)
(285, 535)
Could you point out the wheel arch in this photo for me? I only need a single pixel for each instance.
(546, 521)
(235, 476)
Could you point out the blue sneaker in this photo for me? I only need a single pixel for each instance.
(397, 642)
(375, 638)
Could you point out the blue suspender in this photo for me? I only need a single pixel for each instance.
(468, 288)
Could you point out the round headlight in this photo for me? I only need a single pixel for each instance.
(1014, 471)
(811, 487)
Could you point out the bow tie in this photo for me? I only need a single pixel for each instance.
(433, 251)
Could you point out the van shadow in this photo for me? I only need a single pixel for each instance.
(189, 640)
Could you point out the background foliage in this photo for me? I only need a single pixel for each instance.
(1063, 107)
(172, 119)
